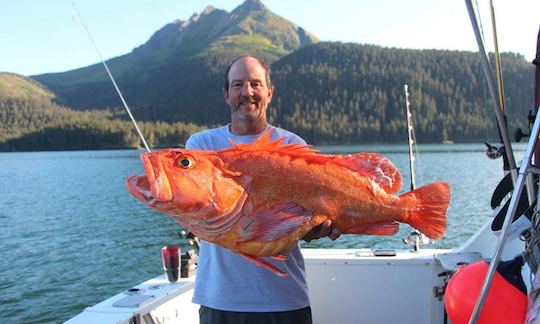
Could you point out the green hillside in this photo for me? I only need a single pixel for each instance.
(29, 120)
(16, 86)
(335, 92)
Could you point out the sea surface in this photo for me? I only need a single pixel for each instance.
(71, 235)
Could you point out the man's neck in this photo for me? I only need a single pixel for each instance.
(237, 128)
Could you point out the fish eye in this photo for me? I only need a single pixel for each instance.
(185, 162)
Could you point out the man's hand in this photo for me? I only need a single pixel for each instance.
(323, 230)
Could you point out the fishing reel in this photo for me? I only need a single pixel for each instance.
(415, 239)
(190, 259)
(191, 239)
(518, 134)
(494, 151)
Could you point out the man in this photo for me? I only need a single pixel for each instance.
(229, 288)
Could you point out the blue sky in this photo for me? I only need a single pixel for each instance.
(40, 36)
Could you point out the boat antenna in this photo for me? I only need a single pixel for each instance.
(75, 11)
(410, 132)
(415, 238)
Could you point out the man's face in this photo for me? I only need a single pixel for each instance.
(248, 94)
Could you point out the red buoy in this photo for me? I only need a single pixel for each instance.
(505, 303)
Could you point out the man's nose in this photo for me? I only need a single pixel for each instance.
(247, 90)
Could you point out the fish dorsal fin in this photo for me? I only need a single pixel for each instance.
(375, 167)
(264, 143)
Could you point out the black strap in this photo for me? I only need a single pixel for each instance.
(504, 190)
(511, 271)
(504, 187)
(523, 208)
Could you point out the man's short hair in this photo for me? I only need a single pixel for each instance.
(265, 66)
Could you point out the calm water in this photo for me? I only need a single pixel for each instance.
(71, 235)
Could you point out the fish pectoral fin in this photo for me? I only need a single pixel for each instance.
(265, 264)
(272, 224)
(383, 228)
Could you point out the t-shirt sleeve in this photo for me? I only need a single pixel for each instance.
(297, 139)
(293, 138)
(194, 142)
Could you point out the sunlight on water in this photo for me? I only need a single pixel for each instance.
(72, 235)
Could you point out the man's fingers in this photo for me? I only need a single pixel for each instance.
(335, 234)
(323, 230)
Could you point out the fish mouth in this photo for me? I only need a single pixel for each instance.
(139, 187)
(154, 187)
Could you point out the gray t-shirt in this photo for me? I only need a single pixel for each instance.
(228, 281)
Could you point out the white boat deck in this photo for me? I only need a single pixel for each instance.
(154, 299)
(339, 279)
(346, 286)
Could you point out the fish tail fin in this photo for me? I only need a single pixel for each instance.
(430, 205)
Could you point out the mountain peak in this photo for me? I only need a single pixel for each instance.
(208, 9)
(249, 7)
(252, 17)
(250, 27)
(252, 5)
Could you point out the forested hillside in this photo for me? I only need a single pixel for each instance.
(353, 93)
(328, 93)
(29, 120)
(332, 92)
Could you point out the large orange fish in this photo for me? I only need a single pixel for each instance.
(259, 199)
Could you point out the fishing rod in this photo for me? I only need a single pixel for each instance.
(410, 132)
(415, 238)
(501, 121)
(500, 89)
(112, 79)
(536, 108)
(519, 179)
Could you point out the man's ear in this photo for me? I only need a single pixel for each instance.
(270, 93)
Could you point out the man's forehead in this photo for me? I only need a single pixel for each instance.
(247, 68)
